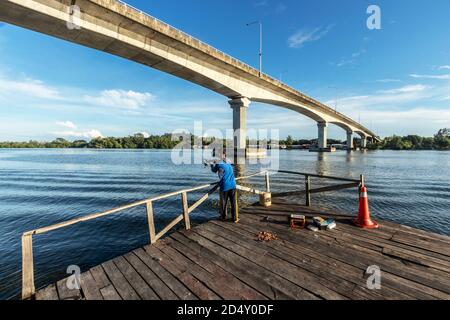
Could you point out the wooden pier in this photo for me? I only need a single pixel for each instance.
(224, 260)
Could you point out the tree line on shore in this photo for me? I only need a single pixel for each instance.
(440, 141)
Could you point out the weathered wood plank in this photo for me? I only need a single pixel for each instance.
(272, 264)
(185, 206)
(273, 286)
(28, 288)
(65, 293)
(314, 273)
(100, 277)
(334, 272)
(216, 284)
(245, 272)
(393, 287)
(151, 222)
(358, 258)
(89, 287)
(48, 293)
(161, 289)
(172, 282)
(110, 293)
(376, 239)
(246, 291)
(119, 282)
(194, 285)
(416, 241)
(135, 280)
(167, 228)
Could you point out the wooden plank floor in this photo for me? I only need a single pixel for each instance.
(224, 260)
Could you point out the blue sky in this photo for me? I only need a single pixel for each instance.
(395, 80)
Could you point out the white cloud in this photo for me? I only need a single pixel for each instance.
(383, 98)
(438, 77)
(261, 3)
(412, 117)
(66, 124)
(73, 133)
(406, 89)
(143, 134)
(444, 68)
(28, 87)
(352, 59)
(298, 39)
(89, 134)
(122, 99)
(411, 109)
(358, 53)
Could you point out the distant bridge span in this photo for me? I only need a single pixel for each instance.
(117, 28)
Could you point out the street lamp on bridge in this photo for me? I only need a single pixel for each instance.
(337, 97)
(260, 42)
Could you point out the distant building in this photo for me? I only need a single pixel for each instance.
(339, 146)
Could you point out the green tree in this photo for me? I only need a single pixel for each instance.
(289, 141)
(442, 139)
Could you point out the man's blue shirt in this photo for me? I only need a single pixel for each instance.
(226, 176)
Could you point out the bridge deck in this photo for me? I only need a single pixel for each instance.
(223, 260)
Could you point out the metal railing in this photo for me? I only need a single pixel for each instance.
(350, 183)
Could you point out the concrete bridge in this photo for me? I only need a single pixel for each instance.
(117, 28)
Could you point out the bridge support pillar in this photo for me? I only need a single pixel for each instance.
(349, 140)
(363, 142)
(239, 106)
(323, 135)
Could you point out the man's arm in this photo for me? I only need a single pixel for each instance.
(214, 168)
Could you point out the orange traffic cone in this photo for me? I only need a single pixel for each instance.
(363, 220)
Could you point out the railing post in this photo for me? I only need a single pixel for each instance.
(151, 222)
(308, 188)
(187, 221)
(28, 289)
(361, 183)
(267, 182)
(362, 180)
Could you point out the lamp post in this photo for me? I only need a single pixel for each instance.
(260, 42)
(281, 75)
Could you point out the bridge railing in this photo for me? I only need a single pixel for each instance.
(165, 24)
(28, 285)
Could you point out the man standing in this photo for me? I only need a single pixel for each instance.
(227, 185)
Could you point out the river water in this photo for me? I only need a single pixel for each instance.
(42, 187)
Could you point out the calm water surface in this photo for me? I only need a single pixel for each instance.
(43, 187)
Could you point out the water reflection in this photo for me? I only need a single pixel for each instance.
(349, 156)
(322, 163)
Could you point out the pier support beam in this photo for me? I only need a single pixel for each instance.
(349, 140)
(323, 135)
(239, 106)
